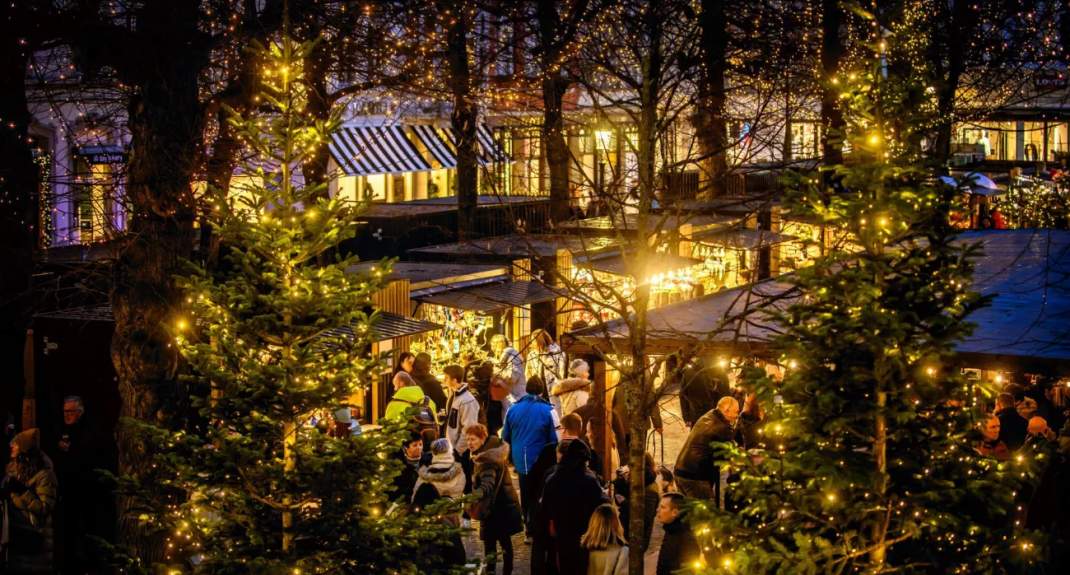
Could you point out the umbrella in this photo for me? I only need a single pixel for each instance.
(949, 181)
(979, 180)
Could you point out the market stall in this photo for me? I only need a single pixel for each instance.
(472, 315)
(1023, 330)
(737, 256)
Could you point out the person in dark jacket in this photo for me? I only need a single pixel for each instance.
(571, 495)
(1012, 426)
(697, 474)
(542, 561)
(28, 493)
(496, 507)
(86, 508)
(410, 455)
(651, 497)
(701, 387)
(529, 427)
(421, 372)
(679, 548)
(451, 551)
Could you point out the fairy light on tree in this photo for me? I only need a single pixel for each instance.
(250, 486)
(871, 466)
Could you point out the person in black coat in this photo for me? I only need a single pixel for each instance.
(701, 387)
(1012, 426)
(410, 456)
(432, 388)
(569, 498)
(697, 472)
(651, 497)
(679, 547)
(497, 506)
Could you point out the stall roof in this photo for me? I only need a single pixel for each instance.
(1028, 321)
(423, 275)
(389, 325)
(732, 206)
(741, 238)
(493, 297)
(617, 264)
(667, 221)
(517, 246)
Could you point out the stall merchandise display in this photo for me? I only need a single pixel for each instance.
(465, 336)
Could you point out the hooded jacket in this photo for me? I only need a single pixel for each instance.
(529, 426)
(29, 511)
(494, 490)
(444, 474)
(573, 393)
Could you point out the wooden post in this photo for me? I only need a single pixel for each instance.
(562, 270)
(603, 441)
(29, 397)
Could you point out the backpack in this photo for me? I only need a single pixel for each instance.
(425, 417)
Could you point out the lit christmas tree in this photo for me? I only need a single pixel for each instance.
(250, 486)
(868, 464)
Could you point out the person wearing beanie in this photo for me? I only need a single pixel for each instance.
(444, 473)
(573, 391)
(570, 496)
(29, 490)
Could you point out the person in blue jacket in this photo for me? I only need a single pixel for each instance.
(529, 427)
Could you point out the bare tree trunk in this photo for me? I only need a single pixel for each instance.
(880, 458)
(165, 124)
(832, 123)
(554, 86)
(710, 111)
(18, 194)
(464, 118)
(962, 24)
(638, 401)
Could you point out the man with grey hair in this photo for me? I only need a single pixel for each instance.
(85, 499)
(697, 472)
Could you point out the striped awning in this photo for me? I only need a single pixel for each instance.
(368, 150)
(441, 145)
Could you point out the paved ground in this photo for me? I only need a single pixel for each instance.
(675, 433)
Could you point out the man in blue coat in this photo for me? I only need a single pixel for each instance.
(530, 426)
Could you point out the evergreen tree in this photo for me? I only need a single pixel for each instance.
(250, 486)
(869, 464)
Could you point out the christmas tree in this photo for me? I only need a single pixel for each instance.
(249, 485)
(868, 463)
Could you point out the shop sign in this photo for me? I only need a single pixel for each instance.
(102, 154)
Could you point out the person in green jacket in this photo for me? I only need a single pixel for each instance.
(408, 394)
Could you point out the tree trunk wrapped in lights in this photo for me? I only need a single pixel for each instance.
(250, 486)
(868, 463)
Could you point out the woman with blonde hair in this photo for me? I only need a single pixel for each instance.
(604, 540)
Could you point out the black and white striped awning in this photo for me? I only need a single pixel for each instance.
(367, 150)
(441, 145)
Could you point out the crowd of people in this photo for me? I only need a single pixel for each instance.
(472, 429)
(532, 416)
